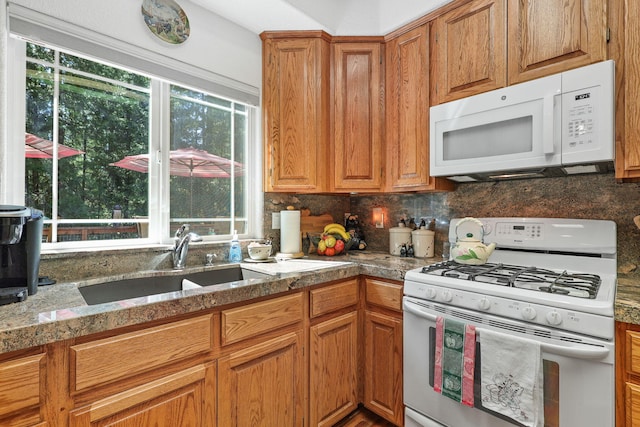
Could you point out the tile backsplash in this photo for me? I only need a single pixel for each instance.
(585, 196)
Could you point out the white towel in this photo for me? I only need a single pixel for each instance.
(511, 377)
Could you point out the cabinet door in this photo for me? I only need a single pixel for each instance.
(625, 48)
(470, 50)
(357, 162)
(295, 113)
(22, 391)
(549, 36)
(383, 365)
(182, 399)
(262, 385)
(407, 114)
(333, 373)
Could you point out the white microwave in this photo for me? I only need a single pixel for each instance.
(553, 126)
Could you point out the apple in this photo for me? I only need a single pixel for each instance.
(330, 252)
(339, 246)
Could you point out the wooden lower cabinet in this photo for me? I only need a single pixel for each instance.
(183, 399)
(22, 389)
(301, 359)
(262, 385)
(333, 369)
(627, 375)
(383, 365)
(383, 349)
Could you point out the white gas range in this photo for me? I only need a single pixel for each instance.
(552, 281)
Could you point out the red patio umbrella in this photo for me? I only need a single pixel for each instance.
(40, 148)
(188, 162)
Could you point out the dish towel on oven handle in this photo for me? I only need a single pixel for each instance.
(455, 360)
(511, 377)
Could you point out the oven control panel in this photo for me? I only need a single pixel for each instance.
(531, 312)
(555, 234)
(519, 231)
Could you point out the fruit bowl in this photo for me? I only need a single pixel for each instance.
(336, 244)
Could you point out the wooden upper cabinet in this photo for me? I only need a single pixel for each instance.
(358, 116)
(295, 110)
(407, 113)
(550, 36)
(470, 50)
(625, 50)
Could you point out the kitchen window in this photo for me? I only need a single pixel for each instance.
(128, 157)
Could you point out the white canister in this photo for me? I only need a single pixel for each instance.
(423, 242)
(398, 236)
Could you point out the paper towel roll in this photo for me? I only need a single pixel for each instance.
(290, 242)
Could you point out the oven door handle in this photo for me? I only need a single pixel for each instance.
(584, 352)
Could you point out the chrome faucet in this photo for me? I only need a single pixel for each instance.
(181, 245)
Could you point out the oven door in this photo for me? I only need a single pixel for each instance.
(578, 371)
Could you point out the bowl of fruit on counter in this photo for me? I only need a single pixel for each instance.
(334, 240)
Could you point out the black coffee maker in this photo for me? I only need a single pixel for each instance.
(20, 240)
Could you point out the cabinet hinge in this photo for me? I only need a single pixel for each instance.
(608, 34)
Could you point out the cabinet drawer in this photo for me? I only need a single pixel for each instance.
(633, 352)
(334, 297)
(384, 294)
(255, 319)
(20, 383)
(110, 359)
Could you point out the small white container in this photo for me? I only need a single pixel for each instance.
(423, 240)
(259, 251)
(398, 236)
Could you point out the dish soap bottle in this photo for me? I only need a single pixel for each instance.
(235, 251)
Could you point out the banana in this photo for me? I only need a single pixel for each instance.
(334, 225)
(343, 234)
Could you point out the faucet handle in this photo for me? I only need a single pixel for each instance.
(182, 230)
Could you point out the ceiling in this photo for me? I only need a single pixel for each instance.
(337, 17)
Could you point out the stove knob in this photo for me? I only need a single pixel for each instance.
(528, 313)
(430, 293)
(554, 318)
(447, 296)
(484, 303)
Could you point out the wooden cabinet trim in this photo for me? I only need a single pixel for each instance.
(110, 359)
(255, 319)
(334, 297)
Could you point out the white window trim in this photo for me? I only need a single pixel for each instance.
(159, 218)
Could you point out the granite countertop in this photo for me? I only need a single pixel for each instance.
(59, 312)
(627, 308)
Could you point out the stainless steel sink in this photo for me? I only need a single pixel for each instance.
(118, 290)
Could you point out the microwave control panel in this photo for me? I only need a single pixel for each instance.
(580, 118)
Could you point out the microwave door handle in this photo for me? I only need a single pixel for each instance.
(551, 112)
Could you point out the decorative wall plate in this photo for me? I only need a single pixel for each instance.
(166, 19)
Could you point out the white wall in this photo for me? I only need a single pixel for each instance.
(214, 44)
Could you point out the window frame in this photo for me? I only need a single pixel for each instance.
(159, 147)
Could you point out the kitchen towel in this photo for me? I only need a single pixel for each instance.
(455, 360)
(290, 240)
(511, 377)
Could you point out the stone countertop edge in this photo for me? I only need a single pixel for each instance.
(58, 312)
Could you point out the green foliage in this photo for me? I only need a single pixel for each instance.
(104, 112)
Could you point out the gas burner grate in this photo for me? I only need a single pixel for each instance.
(532, 278)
